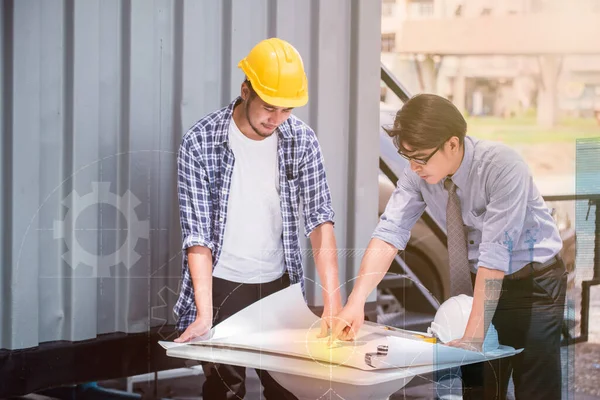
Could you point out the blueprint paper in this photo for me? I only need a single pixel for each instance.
(282, 310)
(283, 324)
(408, 353)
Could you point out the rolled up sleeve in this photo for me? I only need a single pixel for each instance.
(194, 199)
(505, 215)
(405, 207)
(317, 207)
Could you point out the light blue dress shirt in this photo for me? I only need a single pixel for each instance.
(507, 222)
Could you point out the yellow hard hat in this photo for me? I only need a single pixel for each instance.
(275, 70)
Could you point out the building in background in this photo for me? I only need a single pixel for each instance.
(497, 57)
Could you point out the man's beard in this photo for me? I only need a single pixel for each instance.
(262, 135)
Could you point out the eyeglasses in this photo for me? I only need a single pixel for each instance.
(421, 161)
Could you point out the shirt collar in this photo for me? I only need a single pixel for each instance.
(223, 131)
(461, 175)
(284, 130)
(223, 136)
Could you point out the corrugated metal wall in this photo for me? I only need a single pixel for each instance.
(96, 95)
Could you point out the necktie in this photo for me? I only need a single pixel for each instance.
(460, 277)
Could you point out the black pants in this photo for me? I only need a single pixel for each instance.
(227, 381)
(529, 315)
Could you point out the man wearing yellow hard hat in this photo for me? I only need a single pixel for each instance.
(242, 171)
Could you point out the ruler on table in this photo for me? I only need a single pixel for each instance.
(403, 333)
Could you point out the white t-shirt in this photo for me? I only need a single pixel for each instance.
(252, 245)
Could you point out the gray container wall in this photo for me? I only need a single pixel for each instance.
(96, 95)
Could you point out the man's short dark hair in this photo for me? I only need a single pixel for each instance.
(426, 121)
(252, 91)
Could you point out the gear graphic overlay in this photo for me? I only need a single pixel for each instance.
(101, 194)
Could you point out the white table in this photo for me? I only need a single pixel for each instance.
(310, 380)
(279, 334)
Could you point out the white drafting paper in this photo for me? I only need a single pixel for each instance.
(282, 310)
(283, 324)
(410, 353)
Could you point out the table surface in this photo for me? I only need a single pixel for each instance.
(307, 367)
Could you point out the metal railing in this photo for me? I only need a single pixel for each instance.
(399, 90)
(593, 201)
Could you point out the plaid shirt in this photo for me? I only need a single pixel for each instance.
(205, 165)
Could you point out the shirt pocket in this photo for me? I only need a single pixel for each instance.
(478, 213)
(473, 230)
(473, 242)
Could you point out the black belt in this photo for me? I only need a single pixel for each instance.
(534, 269)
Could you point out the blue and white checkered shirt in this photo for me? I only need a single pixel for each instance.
(205, 165)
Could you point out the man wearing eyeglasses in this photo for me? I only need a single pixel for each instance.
(503, 247)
